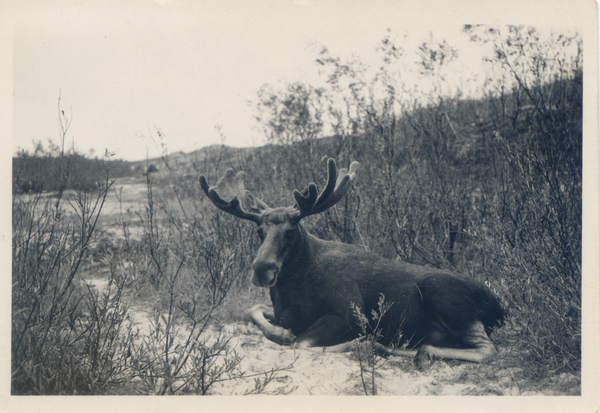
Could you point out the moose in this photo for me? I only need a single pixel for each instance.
(315, 284)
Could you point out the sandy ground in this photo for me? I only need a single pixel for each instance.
(318, 372)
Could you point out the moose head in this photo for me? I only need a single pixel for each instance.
(279, 229)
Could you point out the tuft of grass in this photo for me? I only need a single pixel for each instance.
(365, 350)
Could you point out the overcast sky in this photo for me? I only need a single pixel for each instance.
(124, 69)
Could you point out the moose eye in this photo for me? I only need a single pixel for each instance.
(289, 234)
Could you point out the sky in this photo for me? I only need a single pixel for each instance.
(124, 70)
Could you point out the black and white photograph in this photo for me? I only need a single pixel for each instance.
(252, 200)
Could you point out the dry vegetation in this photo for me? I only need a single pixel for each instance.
(490, 188)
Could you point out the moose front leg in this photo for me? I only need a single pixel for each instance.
(263, 317)
(328, 330)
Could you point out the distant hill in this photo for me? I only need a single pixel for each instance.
(455, 133)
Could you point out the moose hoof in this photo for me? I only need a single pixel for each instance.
(425, 357)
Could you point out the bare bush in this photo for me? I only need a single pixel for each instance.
(64, 337)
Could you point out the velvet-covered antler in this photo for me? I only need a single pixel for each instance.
(231, 186)
(336, 188)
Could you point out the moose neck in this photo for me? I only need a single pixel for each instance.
(296, 267)
(300, 251)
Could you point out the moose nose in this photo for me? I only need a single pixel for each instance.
(265, 273)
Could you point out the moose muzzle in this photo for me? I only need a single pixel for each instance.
(265, 273)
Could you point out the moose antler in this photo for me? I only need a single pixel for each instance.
(309, 204)
(231, 186)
